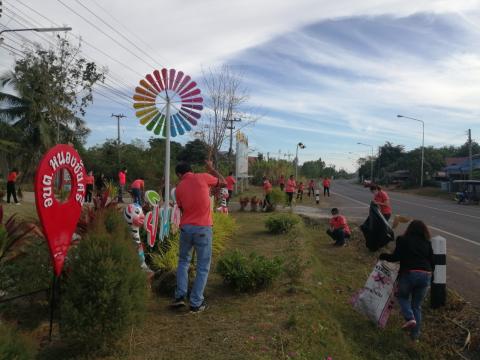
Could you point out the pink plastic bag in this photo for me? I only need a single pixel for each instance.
(376, 299)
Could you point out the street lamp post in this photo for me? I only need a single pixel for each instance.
(301, 146)
(48, 29)
(423, 144)
(371, 160)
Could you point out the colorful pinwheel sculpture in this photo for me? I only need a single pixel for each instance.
(168, 94)
(169, 104)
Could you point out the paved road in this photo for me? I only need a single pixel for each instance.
(459, 224)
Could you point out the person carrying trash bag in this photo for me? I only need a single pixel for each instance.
(414, 252)
(339, 230)
(376, 229)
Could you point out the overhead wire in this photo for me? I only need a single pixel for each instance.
(105, 33)
(83, 40)
(118, 32)
(110, 77)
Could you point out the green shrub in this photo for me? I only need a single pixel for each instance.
(104, 290)
(248, 273)
(14, 346)
(281, 223)
(294, 266)
(166, 259)
(277, 197)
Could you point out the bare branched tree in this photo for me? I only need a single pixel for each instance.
(225, 95)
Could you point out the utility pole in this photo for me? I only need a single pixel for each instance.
(231, 127)
(470, 152)
(118, 116)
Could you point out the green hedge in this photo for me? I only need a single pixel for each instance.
(104, 291)
(281, 223)
(248, 273)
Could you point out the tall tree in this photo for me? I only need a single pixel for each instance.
(46, 96)
(225, 95)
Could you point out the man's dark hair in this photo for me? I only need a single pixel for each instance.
(375, 187)
(335, 211)
(124, 169)
(15, 169)
(230, 173)
(182, 168)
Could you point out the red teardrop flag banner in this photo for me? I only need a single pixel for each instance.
(59, 219)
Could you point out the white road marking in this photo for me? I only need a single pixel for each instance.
(352, 199)
(425, 206)
(457, 236)
(431, 227)
(434, 208)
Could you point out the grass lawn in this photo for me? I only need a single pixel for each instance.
(310, 321)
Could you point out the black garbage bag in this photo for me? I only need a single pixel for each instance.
(376, 229)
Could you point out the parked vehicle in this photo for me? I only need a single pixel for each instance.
(469, 193)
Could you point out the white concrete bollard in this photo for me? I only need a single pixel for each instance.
(317, 196)
(438, 292)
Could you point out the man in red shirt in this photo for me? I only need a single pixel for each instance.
(137, 188)
(300, 190)
(230, 181)
(281, 182)
(89, 180)
(291, 186)
(267, 189)
(122, 180)
(11, 191)
(326, 187)
(193, 199)
(382, 199)
(339, 229)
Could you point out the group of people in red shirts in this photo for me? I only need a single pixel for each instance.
(291, 187)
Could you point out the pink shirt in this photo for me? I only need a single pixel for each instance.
(138, 184)
(193, 198)
(122, 178)
(230, 180)
(291, 186)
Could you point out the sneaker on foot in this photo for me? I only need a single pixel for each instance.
(17, 203)
(198, 309)
(410, 324)
(179, 302)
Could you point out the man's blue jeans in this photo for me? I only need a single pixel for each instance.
(200, 239)
(137, 196)
(412, 288)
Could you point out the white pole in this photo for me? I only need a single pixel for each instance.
(423, 152)
(296, 164)
(166, 205)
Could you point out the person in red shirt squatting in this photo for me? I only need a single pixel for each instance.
(193, 199)
(11, 191)
(291, 186)
(137, 187)
(267, 188)
(339, 230)
(89, 180)
(281, 182)
(300, 190)
(311, 188)
(122, 180)
(230, 181)
(382, 199)
(326, 187)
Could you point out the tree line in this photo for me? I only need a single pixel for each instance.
(392, 158)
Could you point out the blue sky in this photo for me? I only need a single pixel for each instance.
(329, 75)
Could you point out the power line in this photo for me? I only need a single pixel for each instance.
(117, 31)
(83, 40)
(106, 34)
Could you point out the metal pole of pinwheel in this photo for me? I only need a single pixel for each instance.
(168, 103)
